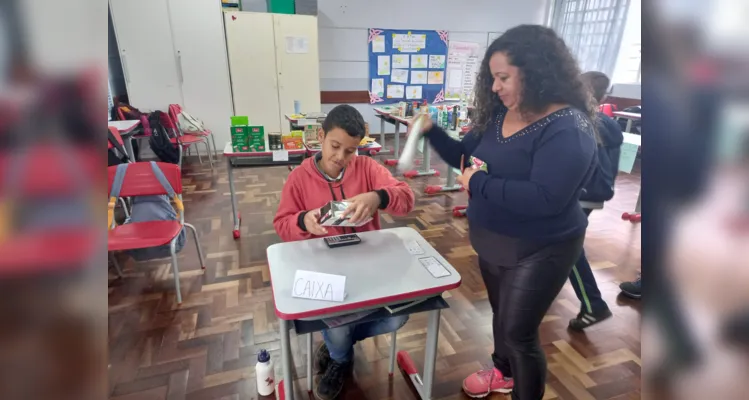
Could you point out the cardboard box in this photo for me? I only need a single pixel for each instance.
(248, 138)
(256, 138)
(310, 132)
(240, 138)
(292, 142)
(330, 215)
(240, 120)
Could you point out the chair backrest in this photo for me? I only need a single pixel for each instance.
(170, 125)
(141, 181)
(117, 136)
(173, 114)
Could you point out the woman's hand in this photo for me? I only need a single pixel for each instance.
(312, 223)
(362, 206)
(465, 179)
(426, 123)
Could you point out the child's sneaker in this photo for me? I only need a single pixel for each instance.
(482, 383)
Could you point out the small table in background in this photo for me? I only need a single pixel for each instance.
(126, 130)
(385, 116)
(266, 158)
(629, 117)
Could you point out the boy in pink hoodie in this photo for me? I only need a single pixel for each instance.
(337, 173)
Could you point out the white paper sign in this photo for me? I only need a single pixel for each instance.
(383, 65)
(378, 87)
(378, 44)
(297, 44)
(419, 61)
(395, 91)
(437, 62)
(434, 267)
(413, 92)
(408, 43)
(435, 77)
(399, 76)
(319, 286)
(419, 77)
(400, 60)
(280, 155)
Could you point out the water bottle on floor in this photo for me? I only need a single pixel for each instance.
(266, 380)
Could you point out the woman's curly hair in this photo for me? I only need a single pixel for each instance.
(548, 72)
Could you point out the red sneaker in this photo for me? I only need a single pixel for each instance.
(482, 383)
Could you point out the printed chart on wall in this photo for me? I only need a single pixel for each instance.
(462, 67)
(407, 65)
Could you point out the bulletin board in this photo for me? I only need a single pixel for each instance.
(406, 65)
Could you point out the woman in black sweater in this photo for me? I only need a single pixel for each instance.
(534, 135)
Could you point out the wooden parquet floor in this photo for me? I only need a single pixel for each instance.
(205, 348)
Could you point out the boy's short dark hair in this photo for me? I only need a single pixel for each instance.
(347, 118)
(598, 83)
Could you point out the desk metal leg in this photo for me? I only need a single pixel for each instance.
(629, 126)
(309, 362)
(234, 212)
(424, 387)
(382, 138)
(392, 353)
(396, 149)
(449, 186)
(288, 387)
(426, 169)
(430, 351)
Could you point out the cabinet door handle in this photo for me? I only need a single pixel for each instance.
(179, 68)
(124, 67)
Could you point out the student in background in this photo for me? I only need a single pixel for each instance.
(337, 173)
(600, 188)
(533, 131)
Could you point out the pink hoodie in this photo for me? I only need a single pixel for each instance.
(306, 189)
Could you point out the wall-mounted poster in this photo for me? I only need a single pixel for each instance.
(462, 67)
(408, 64)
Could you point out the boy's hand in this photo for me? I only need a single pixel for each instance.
(362, 206)
(312, 223)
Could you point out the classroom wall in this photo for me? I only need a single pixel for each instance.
(343, 30)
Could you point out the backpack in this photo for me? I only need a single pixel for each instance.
(600, 187)
(149, 208)
(159, 140)
(189, 124)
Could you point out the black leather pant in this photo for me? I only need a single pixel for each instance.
(520, 294)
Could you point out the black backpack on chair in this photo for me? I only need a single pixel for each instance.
(159, 141)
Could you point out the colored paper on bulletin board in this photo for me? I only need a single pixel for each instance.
(414, 54)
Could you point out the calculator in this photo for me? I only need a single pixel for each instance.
(342, 240)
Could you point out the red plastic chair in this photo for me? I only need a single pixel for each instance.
(175, 110)
(141, 181)
(186, 140)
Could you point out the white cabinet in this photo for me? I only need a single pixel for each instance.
(273, 61)
(148, 62)
(173, 52)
